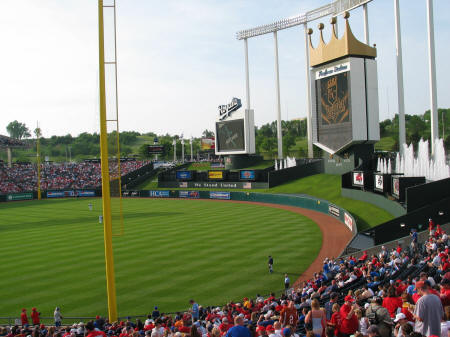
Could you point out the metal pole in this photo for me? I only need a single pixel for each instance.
(277, 88)
(432, 77)
(174, 143)
(106, 200)
(400, 92)
(366, 24)
(182, 150)
(192, 155)
(308, 97)
(247, 81)
(9, 153)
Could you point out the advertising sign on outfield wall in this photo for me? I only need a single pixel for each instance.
(220, 195)
(215, 175)
(19, 196)
(85, 193)
(348, 221)
(158, 194)
(333, 210)
(189, 194)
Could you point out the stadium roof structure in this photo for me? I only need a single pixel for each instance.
(6, 142)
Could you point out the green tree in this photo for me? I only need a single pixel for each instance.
(18, 130)
(288, 142)
(207, 134)
(269, 144)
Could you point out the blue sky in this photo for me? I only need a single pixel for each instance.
(178, 60)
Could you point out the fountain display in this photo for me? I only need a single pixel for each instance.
(285, 163)
(423, 165)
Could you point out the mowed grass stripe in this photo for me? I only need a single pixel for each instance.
(172, 250)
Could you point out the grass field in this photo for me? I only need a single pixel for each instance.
(52, 254)
(323, 186)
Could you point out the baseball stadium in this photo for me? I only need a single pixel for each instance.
(330, 225)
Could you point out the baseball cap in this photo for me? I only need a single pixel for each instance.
(260, 328)
(270, 328)
(348, 298)
(399, 316)
(286, 332)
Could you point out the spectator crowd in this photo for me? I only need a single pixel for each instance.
(402, 292)
(84, 175)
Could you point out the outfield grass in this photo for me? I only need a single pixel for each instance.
(323, 186)
(52, 254)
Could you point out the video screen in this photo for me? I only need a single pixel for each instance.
(247, 175)
(184, 175)
(333, 110)
(230, 135)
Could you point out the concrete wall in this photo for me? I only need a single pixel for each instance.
(376, 199)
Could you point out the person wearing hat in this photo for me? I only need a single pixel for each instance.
(35, 316)
(24, 317)
(349, 323)
(270, 330)
(155, 313)
(57, 317)
(428, 311)
(400, 320)
(379, 316)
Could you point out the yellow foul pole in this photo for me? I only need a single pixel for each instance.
(109, 258)
(38, 159)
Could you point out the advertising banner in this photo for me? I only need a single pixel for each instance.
(55, 194)
(207, 144)
(334, 210)
(189, 194)
(217, 165)
(215, 175)
(379, 180)
(247, 185)
(19, 196)
(155, 149)
(184, 175)
(81, 193)
(358, 179)
(220, 195)
(348, 221)
(396, 187)
(247, 175)
(158, 194)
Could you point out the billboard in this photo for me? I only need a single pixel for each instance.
(189, 194)
(334, 210)
(215, 175)
(348, 221)
(19, 196)
(358, 179)
(396, 187)
(208, 144)
(334, 120)
(230, 135)
(247, 175)
(155, 149)
(184, 175)
(60, 194)
(220, 195)
(158, 194)
(379, 182)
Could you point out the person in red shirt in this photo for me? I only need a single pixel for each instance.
(35, 316)
(289, 315)
(431, 227)
(391, 302)
(349, 323)
(335, 320)
(91, 332)
(407, 308)
(24, 317)
(363, 257)
(445, 292)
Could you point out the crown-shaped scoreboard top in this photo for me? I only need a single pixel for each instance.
(347, 45)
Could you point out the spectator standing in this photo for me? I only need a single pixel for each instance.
(428, 311)
(391, 302)
(35, 316)
(57, 317)
(379, 316)
(24, 317)
(329, 305)
(349, 323)
(317, 318)
(194, 310)
(286, 282)
(289, 315)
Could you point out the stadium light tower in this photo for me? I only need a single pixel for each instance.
(182, 150)
(192, 155)
(174, 143)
